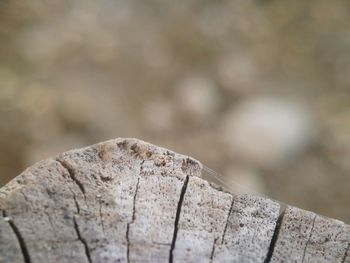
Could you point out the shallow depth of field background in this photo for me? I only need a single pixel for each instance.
(257, 90)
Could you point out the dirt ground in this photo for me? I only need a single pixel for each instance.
(257, 90)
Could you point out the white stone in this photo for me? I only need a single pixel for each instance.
(198, 96)
(267, 131)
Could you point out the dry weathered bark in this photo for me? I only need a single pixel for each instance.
(129, 201)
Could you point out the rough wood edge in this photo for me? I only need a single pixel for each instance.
(129, 201)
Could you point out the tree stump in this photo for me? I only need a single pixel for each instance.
(125, 200)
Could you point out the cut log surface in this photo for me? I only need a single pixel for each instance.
(126, 200)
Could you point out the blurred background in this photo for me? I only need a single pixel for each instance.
(259, 91)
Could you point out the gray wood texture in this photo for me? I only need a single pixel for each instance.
(126, 200)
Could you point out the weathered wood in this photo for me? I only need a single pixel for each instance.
(129, 201)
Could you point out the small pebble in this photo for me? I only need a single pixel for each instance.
(198, 97)
(266, 132)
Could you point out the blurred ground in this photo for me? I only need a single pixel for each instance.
(257, 90)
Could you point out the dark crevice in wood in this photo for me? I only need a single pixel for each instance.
(73, 176)
(308, 241)
(213, 250)
(227, 218)
(177, 218)
(70, 189)
(132, 221)
(346, 253)
(24, 196)
(275, 233)
(128, 243)
(76, 203)
(82, 240)
(134, 201)
(19, 237)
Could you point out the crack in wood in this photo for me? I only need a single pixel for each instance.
(226, 223)
(24, 196)
(82, 240)
(132, 221)
(128, 243)
(19, 237)
(275, 233)
(307, 242)
(70, 189)
(73, 177)
(76, 202)
(213, 250)
(346, 253)
(177, 218)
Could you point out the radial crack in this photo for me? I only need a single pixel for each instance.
(213, 250)
(177, 218)
(128, 243)
(132, 220)
(227, 218)
(73, 176)
(307, 243)
(20, 238)
(83, 241)
(275, 233)
(70, 189)
(76, 202)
